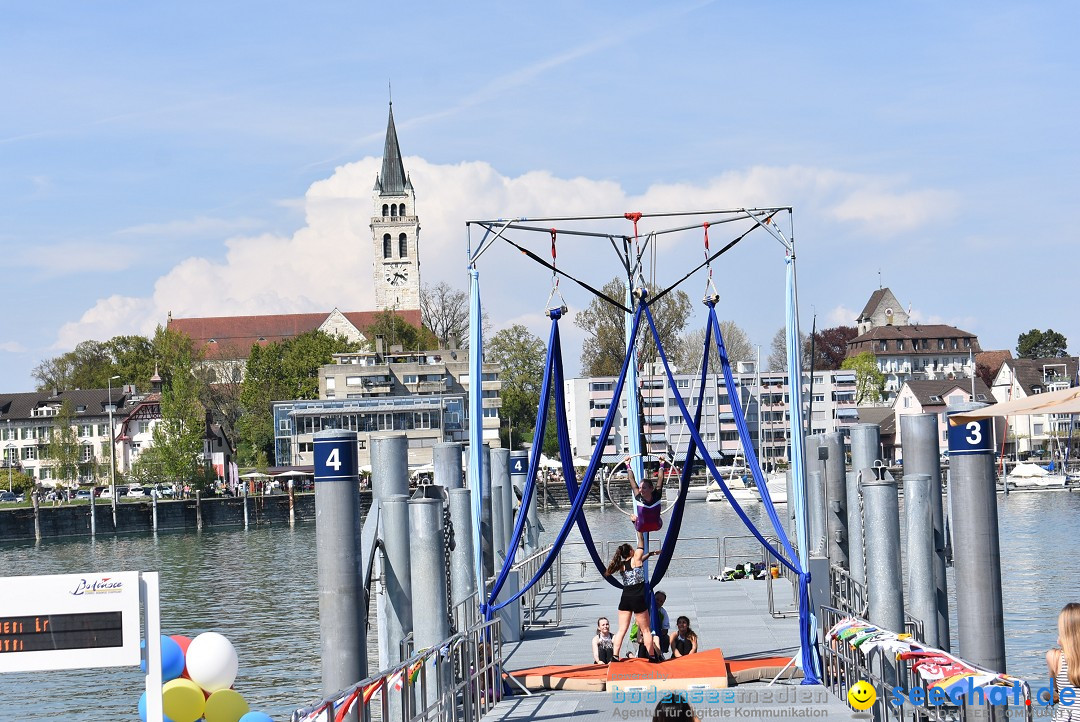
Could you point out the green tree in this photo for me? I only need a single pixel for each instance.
(1041, 344)
(869, 380)
(91, 364)
(63, 450)
(604, 349)
(396, 331)
(180, 433)
(521, 356)
(281, 371)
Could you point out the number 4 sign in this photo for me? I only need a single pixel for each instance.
(971, 437)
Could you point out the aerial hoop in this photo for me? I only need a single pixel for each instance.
(669, 472)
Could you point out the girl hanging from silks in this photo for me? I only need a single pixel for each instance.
(647, 503)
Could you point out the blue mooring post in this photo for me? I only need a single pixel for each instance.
(342, 611)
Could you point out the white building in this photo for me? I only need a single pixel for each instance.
(1021, 378)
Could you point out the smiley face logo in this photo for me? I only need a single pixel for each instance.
(862, 695)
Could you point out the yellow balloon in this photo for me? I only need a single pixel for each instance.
(225, 705)
(182, 700)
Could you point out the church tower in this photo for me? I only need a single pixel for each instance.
(395, 231)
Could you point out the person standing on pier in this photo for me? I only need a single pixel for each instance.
(630, 563)
(1064, 663)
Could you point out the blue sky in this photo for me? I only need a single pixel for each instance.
(217, 158)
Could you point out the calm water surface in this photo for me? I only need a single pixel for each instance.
(259, 589)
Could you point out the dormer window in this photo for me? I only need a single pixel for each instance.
(213, 340)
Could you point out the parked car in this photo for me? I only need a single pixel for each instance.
(8, 497)
(136, 491)
(83, 494)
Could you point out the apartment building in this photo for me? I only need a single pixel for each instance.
(1021, 378)
(765, 400)
(422, 395)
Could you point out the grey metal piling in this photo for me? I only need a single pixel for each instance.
(244, 486)
(462, 571)
(428, 574)
(922, 455)
(486, 528)
(836, 526)
(921, 592)
(342, 608)
(501, 501)
(976, 546)
(499, 549)
(865, 450)
(395, 603)
(446, 458)
(519, 472)
(881, 526)
(815, 493)
(389, 466)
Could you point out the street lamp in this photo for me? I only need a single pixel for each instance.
(10, 463)
(112, 452)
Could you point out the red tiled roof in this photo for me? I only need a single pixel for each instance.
(233, 336)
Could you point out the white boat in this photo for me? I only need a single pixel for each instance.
(743, 492)
(1032, 476)
(693, 493)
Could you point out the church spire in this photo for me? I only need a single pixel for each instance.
(392, 180)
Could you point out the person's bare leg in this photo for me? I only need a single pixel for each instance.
(624, 625)
(645, 631)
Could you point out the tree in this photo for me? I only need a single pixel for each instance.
(777, 360)
(869, 381)
(1041, 344)
(396, 331)
(521, 356)
(830, 347)
(280, 371)
(91, 364)
(604, 349)
(63, 450)
(445, 311)
(737, 343)
(179, 434)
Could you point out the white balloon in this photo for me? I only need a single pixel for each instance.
(212, 662)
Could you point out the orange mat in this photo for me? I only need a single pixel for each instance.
(694, 669)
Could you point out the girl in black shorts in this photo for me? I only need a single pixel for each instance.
(629, 563)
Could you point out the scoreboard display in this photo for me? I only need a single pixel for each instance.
(69, 621)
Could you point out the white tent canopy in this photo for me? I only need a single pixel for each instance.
(254, 475)
(549, 463)
(1065, 401)
(291, 474)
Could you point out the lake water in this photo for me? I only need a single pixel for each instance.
(259, 588)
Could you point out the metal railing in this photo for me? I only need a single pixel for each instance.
(724, 554)
(461, 679)
(540, 599)
(783, 572)
(851, 597)
(843, 666)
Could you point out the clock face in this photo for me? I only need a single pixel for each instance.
(397, 274)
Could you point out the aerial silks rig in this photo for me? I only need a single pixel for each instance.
(632, 250)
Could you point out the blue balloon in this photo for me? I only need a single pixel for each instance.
(172, 658)
(142, 710)
(256, 717)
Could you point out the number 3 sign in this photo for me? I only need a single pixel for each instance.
(971, 437)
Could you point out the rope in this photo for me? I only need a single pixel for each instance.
(587, 287)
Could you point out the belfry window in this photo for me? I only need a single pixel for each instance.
(387, 246)
(403, 246)
(385, 210)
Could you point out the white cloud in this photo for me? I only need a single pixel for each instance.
(12, 347)
(327, 263)
(62, 259)
(841, 316)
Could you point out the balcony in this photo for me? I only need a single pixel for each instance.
(388, 220)
(427, 387)
(492, 403)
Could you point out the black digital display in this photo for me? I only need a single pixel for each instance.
(49, 632)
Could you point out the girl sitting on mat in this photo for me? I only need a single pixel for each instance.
(683, 639)
(629, 563)
(647, 502)
(601, 644)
